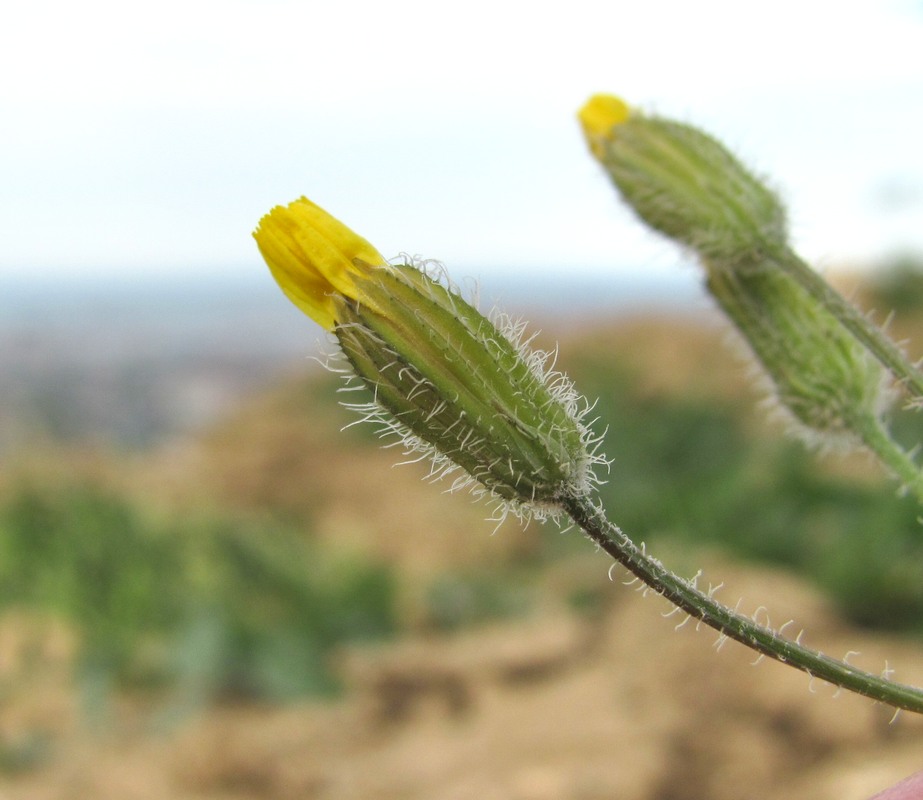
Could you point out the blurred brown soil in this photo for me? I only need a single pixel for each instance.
(620, 705)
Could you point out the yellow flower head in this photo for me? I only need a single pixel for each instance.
(599, 116)
(313, 257)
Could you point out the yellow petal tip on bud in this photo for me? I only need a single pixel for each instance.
(600, 114)
(314, 257)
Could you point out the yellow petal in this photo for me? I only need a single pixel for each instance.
(599, 116)
(313, 256)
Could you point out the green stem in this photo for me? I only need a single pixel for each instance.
(877, 439)
(879, 345)
(701, 606)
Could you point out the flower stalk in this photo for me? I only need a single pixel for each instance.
(701, 606)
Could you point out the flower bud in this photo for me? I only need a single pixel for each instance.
(822, 375)
(685, 184)
(442, 375)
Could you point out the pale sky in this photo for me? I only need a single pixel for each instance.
(143, 139)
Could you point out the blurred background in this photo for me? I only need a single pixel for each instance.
(207, 590)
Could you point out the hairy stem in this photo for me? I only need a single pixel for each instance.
(589, 517)
(877, 439)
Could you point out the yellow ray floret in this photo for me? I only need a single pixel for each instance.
(313, 257)
(599, 116)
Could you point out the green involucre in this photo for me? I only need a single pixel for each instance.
(821, 374)
(450, 378)
(687, 185)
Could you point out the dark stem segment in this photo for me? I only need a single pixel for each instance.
(701, 606)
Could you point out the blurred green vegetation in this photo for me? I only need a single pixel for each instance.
(459, 599)
(898, 284)
(205, 605)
